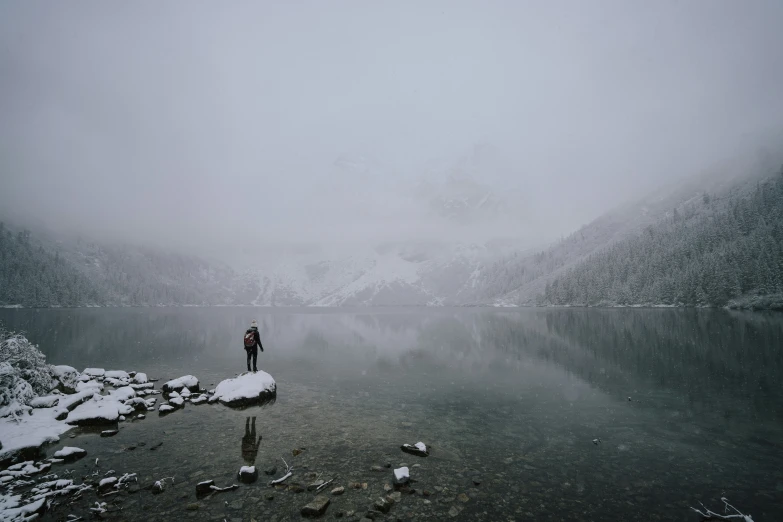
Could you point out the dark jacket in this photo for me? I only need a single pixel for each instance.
(258, 340)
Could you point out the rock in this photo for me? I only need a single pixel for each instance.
(94, 372)
(247, 389)
(462, 497)
(109, 433)
(355, 485)
(596, 441)
(133, 488)
(248, 474)
(95, 412)
(453, 512)
(48, 401)
(338, 490)
(204, 488)
(270, 471)
(61, 414)
(175, 385)
(237, 504)
(401, 476)
(106, 484)
(67, 378)
(419, 449)
(372, 514)
(140, 378)
(70, 454)
(269, 497)
(163, 409)
(315, 485)
(476, 481)
(316, 508)
(297, 451)
(296, 488)
(396, 496)
(141, 416)
(192, 507)
(383, 505)
(387, 487)
(158, 487)
(376, 468)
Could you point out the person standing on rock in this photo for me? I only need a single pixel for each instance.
(252, 345)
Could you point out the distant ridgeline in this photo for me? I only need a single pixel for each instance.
(712, 252)
(42, 273)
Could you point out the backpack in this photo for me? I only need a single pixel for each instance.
(250, 339)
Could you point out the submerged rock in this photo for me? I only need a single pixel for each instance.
(163, 409)
(247, 389)
(109, 433)
(317, 507)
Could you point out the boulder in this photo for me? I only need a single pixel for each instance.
(401, 476)
(67, 378)
(70, 454)
(140, 378)
(96, 413)
(317, 507)
(204, 488)
(419, 449)
(94, 372)
(247, 389)
(248, 474)
(186, 381)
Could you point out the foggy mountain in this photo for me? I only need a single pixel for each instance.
(46, 269)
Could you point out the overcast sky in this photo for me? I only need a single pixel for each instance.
(218, 122)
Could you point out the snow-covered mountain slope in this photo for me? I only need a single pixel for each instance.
(422, 273)
(521, 277)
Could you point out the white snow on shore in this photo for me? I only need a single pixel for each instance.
(34, 430)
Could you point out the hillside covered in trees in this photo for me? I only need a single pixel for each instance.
(712, 252)
(38, 272)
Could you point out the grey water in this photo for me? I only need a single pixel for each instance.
(687, 404)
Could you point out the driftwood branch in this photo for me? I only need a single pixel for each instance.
(711, 515)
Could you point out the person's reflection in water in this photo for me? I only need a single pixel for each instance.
(249, 442)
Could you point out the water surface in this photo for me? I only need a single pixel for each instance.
(512, 399)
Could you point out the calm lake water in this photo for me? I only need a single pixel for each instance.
(509, 398)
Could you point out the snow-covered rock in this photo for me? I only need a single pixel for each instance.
(117, 374)
(245, 390)
(187, 381)
(165, 408)
(94, 372)
(140, 378)
(47, 401)
(67, 377)
(419, 449)
(401, 476)
(176, 401)
(185, 393)
(201, 399)
(247, 474)
(123, 394)
(70, 453)
(98, 411)
(89, 385)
